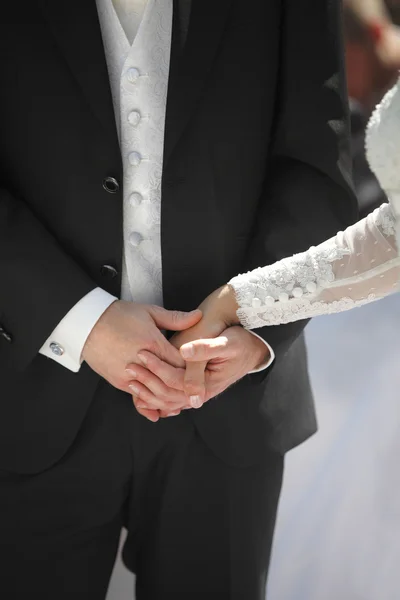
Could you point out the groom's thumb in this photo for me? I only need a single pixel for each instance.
(174, 320)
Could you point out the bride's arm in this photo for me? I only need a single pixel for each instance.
(357, 266)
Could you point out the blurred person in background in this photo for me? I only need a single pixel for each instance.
(372, 62)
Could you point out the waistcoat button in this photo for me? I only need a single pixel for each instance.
(132, 74)
(134, 118)
(135, 238)
(135, 199)
(135, 159)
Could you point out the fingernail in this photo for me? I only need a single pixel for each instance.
(174, 414)
(142, 359)
(134, 389)
(142, 406)
(131, 372)
(187, 351)
(195, 402)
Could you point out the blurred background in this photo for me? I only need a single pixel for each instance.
(338, 531)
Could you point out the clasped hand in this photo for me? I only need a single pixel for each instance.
(126, 347)
(216, 352)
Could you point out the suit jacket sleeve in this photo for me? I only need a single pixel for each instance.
(308, 194)
(39, 282)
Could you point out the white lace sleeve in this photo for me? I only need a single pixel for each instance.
(357, 266)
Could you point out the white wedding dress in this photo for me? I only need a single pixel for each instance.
(357, 266)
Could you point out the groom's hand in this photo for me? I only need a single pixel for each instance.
(125, 329)
(219, 363)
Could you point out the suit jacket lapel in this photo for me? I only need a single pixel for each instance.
(76, 28)
(197, 31)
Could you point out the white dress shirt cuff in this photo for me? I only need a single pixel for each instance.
(268, 362)
(67, 341)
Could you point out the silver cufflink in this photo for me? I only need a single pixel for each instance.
(56, 349)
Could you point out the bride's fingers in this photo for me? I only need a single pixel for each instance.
(195, 383)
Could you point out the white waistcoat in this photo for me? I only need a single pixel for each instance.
(139, 81)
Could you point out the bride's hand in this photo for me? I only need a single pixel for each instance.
(219, 312)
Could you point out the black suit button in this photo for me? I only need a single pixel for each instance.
(111, 185)
(108, 271)
(5, 335)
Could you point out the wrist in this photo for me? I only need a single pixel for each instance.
(262, 353)
(99, 328)
(225, 305)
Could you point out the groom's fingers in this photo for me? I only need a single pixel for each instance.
(205, 350)
(195, 383)
(155, 385)
(174, 320)
(172, 377)
(168, 353)
(150, 415)
(145, 399)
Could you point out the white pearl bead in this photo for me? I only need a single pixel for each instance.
(284, 297)
(269, 301)
(297, 292)
(256, 303)
(311, 287)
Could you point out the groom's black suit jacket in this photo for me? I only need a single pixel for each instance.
(256, 167)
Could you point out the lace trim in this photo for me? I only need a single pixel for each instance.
(290, 289)
(385, 220)
(296, 310)
(381, 140)
(300, 275)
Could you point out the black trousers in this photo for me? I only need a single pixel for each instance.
(198, 528)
